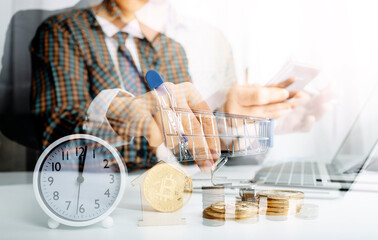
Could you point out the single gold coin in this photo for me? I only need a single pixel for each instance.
(267, 201)
(276, 206)
(280, 194)
(166, 188)
(278, 200)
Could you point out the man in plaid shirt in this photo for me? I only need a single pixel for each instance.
(81, 53)
(73, 62)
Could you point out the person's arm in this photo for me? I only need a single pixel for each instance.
(138, 116)
(60, 88)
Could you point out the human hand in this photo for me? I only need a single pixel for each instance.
(260, 101)
(310, 107)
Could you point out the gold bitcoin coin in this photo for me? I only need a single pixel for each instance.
(166, 188)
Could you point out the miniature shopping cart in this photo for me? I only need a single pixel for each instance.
(238, 135)
(186, 131)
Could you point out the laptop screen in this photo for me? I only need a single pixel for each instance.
(361, 138)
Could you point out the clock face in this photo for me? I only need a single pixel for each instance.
(80, 179)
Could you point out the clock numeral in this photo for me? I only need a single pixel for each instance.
(56, 195)
(94, 153)
(82, 151)
(81, 209)
(97, 204)
(66, 154)
(111, 178)
(56, 166)
(107, 193)
(51, 180)
(68, 204)
(106, 163)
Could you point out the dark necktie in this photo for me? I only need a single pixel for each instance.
(133, 81)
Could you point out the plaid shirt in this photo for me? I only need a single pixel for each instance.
(71, 65)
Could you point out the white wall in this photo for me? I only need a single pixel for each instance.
(339, 36)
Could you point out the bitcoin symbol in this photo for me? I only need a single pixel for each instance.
(167, 189)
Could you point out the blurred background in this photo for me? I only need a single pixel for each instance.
(340, 37)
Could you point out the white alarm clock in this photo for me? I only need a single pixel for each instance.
(79, 180)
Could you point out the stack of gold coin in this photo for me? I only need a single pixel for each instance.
(167, 187)
(279, 202)
(237, 210)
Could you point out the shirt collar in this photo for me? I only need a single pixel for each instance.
(110, 29)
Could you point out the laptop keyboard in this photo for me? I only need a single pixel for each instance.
(291, 173)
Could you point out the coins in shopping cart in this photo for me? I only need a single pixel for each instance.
(231, 210)
(167, 188)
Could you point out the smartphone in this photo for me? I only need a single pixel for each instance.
(304, 75)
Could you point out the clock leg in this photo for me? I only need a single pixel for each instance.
(107, 222)
(52, 223)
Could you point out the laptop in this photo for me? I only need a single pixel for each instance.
(353, 154)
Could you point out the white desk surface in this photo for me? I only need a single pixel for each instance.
(354, 216)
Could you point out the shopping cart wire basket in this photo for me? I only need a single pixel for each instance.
(186, 131)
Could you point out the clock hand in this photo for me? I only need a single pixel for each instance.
(80, 178)
(78, 197)
(82, 158)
